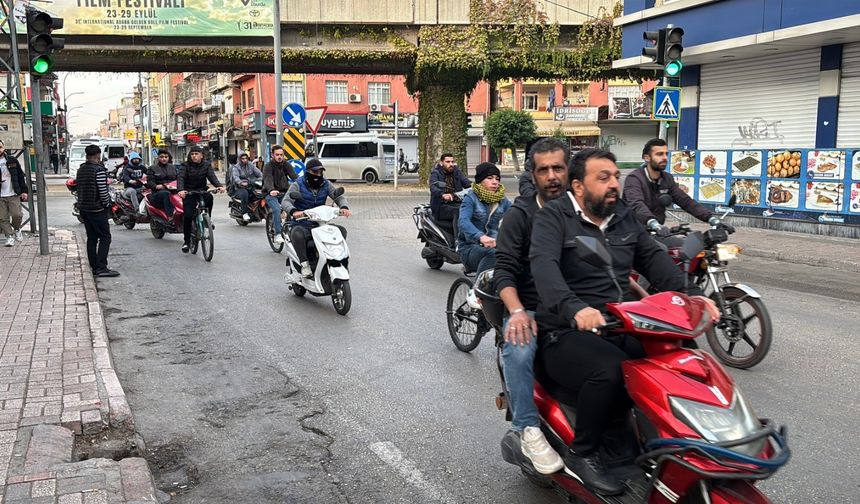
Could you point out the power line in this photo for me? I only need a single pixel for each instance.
(571, 9)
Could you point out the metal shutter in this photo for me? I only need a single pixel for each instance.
(626, 140)
(781, 89)
(848, 134)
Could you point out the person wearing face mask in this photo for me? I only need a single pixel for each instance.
(480, 214)
(132, 175)
(278, 175)
(192, 177)
(309, 191)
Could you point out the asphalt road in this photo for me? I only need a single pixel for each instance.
(246, 393)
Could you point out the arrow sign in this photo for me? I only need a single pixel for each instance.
(294, 115)
(298, 166)
(315, 117)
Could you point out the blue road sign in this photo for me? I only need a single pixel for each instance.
(294, 115)
(667, 103)
(297, 165)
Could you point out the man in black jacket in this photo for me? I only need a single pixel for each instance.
(192, 177)
(572, 293)
(13, 190)
(94, 200)
(157, 177)
(644, 186)
(549, 159)
(278, 175)
(444, 207)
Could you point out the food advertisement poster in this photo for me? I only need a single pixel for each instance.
(748, 192)
(686, 184)
(824, 196)
(783, 193)
(746, 163)
(784, 164)
(855, 166)
(854, 203)
(713, 163)
(712, 190)
(825, 164)
(628, 102)
(683, 163)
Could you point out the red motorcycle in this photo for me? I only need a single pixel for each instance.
(124, 212)
(697, 439)
(159, 222)
(72, 186)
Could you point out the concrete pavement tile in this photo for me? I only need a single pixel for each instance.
(32, 477)
(49, 445)
(44, 488)
(96, 497)
(40, 420)
(137, 481)
(17, 491)
(88, 483)
(75, 498)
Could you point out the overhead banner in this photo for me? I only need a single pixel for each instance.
(152, 18)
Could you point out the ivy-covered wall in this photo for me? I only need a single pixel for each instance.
(441, 127)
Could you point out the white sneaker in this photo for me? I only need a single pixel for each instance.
(278, 239)
(472, 300)
(537, 449)
(10, 241)
(246, 217)
(19, 235)
(306, 270)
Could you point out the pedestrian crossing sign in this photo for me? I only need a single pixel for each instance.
(667, 103)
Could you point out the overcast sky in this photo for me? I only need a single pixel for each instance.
(99, 92)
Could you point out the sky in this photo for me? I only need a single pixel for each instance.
(95, 94)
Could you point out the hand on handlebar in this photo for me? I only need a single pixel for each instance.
(663, 231)
(711, 307)
(298, 214)
(589, 319)
(346, 212)
(183, 194)
(447, 197)
(274, 193)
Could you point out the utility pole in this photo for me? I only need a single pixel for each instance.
(396, 144)
(279, 100)
(149, 136)
(36, 92)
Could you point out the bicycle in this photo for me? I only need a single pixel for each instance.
(466, 324)
(202, 230)
(270, 229)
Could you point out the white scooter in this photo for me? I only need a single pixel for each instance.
(329, 258)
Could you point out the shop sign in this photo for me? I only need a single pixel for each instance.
(575, 114)
(340, 123)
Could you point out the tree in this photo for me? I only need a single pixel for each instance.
(509, 129)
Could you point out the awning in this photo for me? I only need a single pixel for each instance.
(548, 127)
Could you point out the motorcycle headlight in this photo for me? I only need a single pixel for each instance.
(717, 424)
(727, 251)
(649, 324)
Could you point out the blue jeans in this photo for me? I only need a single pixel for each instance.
(477, 258)
(518, 364)
(274, 203)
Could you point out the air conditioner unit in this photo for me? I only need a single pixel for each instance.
(355, 98)
(375, 107)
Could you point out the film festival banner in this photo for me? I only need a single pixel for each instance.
(152, 18)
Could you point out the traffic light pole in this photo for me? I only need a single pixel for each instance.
(36, 92)
(664, 125)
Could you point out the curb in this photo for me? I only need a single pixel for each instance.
(825, 262)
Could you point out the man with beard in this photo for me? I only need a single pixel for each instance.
(278, 175)
(548, 158)
(443, 204)
(644, 186)
(572, 293)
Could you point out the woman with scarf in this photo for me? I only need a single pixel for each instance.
(480, 215)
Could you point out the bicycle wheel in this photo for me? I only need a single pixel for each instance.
(207, 237)
(270, 234)
(742, 338)
(464, 322)
(195, 234)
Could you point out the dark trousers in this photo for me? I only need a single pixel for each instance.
(189, 209)
(161, 199)
(447, 217)
(589, 366)
(477, 258)
(301, 236)
(242, 195)
(98, 238)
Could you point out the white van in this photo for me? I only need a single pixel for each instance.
(113, 153)
(356, 156)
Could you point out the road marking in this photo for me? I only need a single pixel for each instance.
(391, 455)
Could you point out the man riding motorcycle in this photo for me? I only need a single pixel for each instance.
(132, 173)
(515, 284)
(572, 293)
(157, 177)
(444, 208)
(192, 177)
(243, 176)
(480, 214)
(309, 191)
(643, 188)
(278, 175)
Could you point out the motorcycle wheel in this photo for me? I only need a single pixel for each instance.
(129, 224)
(270, 235)
(464, 322)
(299, 291)
(117, 218)
(435, 262)
(341, 296)
(207, 240)
(157, 231)
(734, 331)
(241, 222)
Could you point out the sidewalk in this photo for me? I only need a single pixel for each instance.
(59, 393)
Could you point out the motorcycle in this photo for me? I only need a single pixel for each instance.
(159, 222)
(72, 186)
(407, 167)
(124, 212)
(328, 256)
(693, 437)
(742, 311)
(440, 245)
(256, 206)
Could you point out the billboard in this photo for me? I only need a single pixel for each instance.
(629, 102)
(187, 18)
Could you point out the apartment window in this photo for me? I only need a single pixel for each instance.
(335, 92)
(530, 101)
(249, 103)
(293, 92)
(379, 93)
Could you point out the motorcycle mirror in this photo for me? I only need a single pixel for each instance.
(733, 200)
(593, 251)
(693, 244)
(337, 193)
(665, 200)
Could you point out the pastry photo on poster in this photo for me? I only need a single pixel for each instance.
(784, 164)
(783, 193)
(823, 164)
(855, 166)
(712, 163)
(854, 202)
(748, 192)
(824, 196)
(683, 163)
(686, 184)
(746, 163)
(712, 190)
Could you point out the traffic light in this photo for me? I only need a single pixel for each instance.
(657, 47)
(673, 51)
(40, 43)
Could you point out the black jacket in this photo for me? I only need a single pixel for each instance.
(512, 251)
(278, 177)
(160, 174)
(19, 183)
(641, 195)
(92, 187)
(132, 174)
(438, 175)
(192, 177)
(566, 284)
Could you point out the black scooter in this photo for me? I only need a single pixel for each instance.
(440, 244)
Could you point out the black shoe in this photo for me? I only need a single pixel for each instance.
(185, 248)
(107, 273)
(591, 472)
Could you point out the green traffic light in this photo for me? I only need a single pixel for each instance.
(673, 68)
(42, 65)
